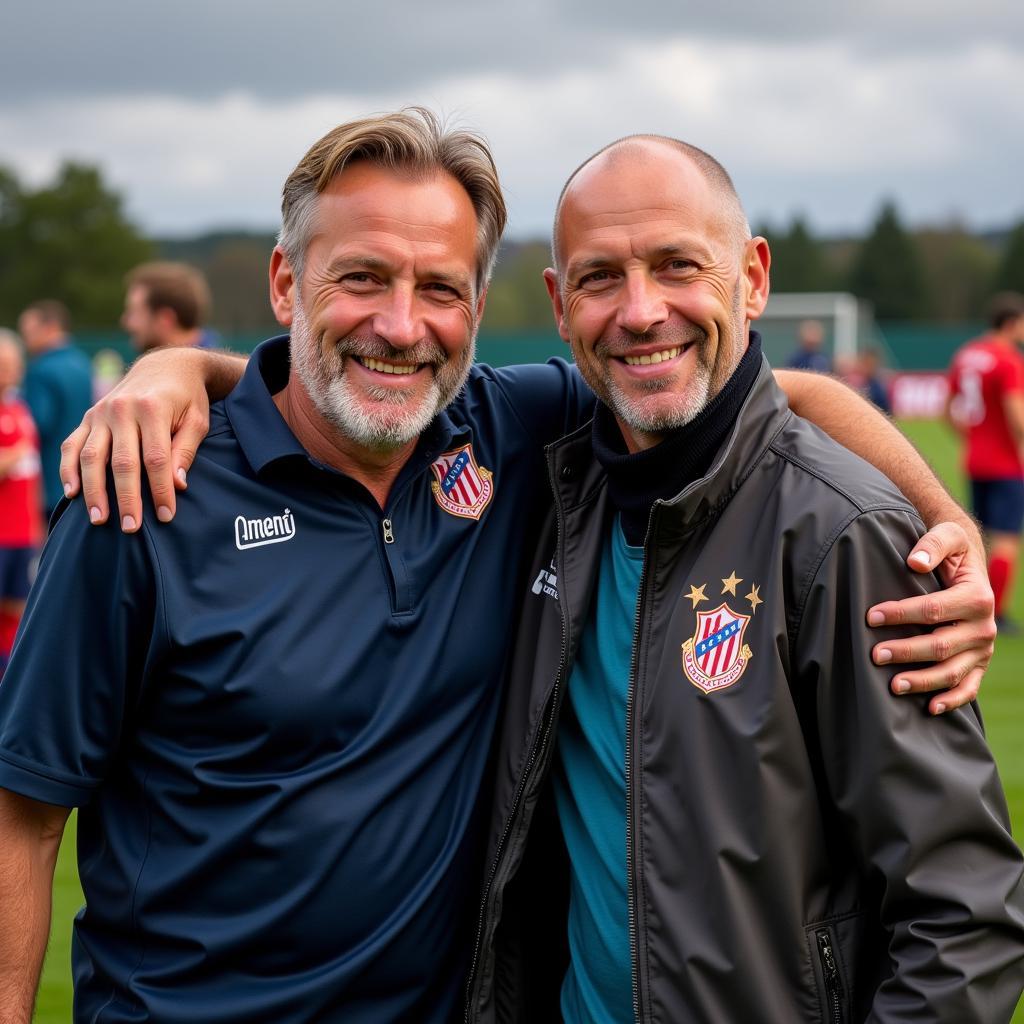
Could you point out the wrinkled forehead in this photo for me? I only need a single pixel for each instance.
(633, 189)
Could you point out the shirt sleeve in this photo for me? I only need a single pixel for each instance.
(87, 641)
(550, 399)
(918, 797)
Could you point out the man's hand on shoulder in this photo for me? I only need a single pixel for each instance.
(156, 417)
(963, 640)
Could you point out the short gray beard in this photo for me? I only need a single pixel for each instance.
(686, 408)
(385, 428)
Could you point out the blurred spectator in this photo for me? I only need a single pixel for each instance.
(809, 356)
(986, 404)
(21, 526)
(58, 386)
(165, 306)
(872, 381)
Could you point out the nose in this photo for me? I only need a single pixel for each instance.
(642, 305)
(397, 322)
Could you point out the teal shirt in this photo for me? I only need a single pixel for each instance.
(590, 790)
(58, 392)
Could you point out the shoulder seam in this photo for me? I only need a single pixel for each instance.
(893, 504)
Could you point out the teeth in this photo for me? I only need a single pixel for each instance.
(656, 357)
(376, 364)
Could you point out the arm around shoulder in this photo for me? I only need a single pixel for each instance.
(154, 419)
(856, 424)
(918, 799)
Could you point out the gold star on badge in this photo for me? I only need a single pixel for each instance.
(696, 594)
(753, 599)
(730, 583)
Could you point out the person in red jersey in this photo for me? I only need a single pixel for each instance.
(986, 404)
(21, 528)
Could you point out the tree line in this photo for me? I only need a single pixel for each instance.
(71, 239)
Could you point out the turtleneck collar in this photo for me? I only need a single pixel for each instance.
(636, 481)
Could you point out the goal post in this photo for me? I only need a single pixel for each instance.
(848, 324)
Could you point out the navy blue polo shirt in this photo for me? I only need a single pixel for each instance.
(275, 713)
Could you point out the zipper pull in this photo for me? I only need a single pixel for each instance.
(389, 535)
(830, 971)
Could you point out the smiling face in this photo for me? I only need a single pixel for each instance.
(384, 319)
(657, 286)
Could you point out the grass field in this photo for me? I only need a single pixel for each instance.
(1002, 702)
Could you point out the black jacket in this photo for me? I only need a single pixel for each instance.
(802, 845)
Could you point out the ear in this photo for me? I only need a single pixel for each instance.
(282, 287)
(167, 319)
(480, 303)
(555, 294)
(757, 258)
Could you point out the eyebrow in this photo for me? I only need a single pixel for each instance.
(688, 249)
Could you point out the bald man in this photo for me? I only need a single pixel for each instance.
(750, 828)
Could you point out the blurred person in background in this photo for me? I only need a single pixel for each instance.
(872, 380)
(165, 306)
(986, 405)
(809, 354)
(58, 386)
(21, 526)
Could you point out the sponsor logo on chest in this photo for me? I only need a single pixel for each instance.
(255, 533)
(460, 486)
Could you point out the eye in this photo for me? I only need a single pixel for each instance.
(678, 265)
(594, 280)
(359, 280)
(441, 289)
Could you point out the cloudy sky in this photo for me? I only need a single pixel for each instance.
(197, 110)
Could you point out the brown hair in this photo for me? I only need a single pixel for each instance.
(174, 286)
(51, 311)
(412, 139)
(1004, 307)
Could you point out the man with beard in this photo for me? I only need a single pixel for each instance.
(751, 829)
(165, 306)
(276, 715)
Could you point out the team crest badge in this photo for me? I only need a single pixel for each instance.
(716, 656)
(461, 487)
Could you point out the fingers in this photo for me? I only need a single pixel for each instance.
(70, 452)
(956, 679)
(939, 543)
(126, 466)
(158, 460)
(969, 599)
(185, 443)
(939, 645)
(93, 456)
(922, 609)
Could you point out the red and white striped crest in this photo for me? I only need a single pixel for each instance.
(715, 656)
(462, 488)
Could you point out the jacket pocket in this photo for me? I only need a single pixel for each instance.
(833, 945)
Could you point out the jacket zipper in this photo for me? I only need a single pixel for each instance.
(830, 972)
(630, 888)
(540, 744)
